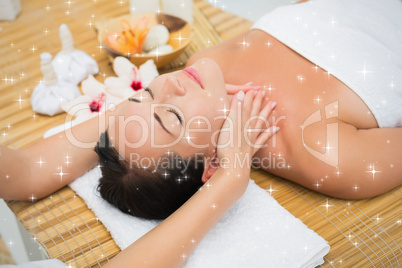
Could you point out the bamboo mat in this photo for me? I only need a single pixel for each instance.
(365, 233)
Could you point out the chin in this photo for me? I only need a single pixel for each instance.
(210, 73)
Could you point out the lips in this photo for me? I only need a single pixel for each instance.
(191, 73)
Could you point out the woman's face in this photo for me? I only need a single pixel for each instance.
(180, 112)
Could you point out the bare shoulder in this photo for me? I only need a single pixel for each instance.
(353, 163)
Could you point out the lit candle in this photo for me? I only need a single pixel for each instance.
(141, 6)
(179, 8)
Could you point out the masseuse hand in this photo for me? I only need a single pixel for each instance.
(245, 130)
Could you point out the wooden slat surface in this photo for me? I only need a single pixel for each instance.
(365, 233)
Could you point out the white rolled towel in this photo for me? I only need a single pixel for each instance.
(72, 65)
(50, 94)
(9, 9)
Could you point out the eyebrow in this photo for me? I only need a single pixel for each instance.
(150, 92)
(157, 118)
(146, 89)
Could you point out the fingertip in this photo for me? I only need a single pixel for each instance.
(272, 129)
(240, 95)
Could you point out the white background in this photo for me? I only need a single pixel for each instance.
(249, 9)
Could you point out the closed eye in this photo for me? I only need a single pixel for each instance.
(134, 100)
(177, 114)
(147, 89)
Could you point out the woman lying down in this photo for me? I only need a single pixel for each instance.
(336, 101)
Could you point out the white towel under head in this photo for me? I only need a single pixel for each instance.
(255, 232)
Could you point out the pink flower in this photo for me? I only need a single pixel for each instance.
(129, 78)
(136, 85)
(98, 97)
(97, 103)
(95, 100)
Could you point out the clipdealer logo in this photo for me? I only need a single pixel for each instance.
(331, 154)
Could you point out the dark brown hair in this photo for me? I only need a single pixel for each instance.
(151, 192)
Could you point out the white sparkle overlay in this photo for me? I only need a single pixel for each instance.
(253, 232)
(373, 171)
(344, 42)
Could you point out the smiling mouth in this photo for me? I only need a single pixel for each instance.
(191, 73)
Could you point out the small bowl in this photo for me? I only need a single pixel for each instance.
(180, 36)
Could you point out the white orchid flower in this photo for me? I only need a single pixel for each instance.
(94, 101)
(129, 78)
(98, 97)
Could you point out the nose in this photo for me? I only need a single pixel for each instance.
(171, 89)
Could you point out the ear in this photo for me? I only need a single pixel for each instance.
(210, 167)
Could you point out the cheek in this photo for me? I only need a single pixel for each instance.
(203, 131)
(208, 113)
(209, 106)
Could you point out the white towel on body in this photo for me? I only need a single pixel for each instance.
(357, 41)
